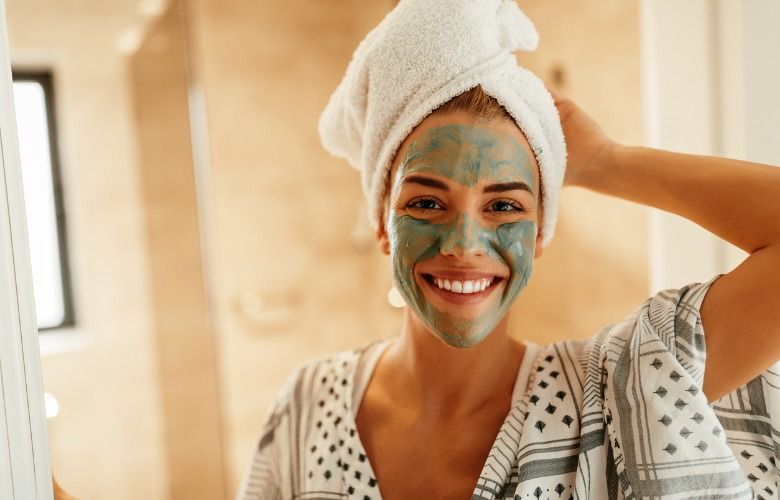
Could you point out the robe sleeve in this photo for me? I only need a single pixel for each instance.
(270, 473)
(667, 440)
(262, 478)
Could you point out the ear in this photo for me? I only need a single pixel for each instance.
(539, 249)
(381, 235)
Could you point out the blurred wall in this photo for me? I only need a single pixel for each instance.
(182, 329)
(289, 281)
(106, 441)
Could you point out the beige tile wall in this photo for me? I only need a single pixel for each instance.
(284, 210)
(182, 327)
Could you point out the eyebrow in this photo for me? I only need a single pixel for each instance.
(426, 181)
(493, 188)
(507, 186)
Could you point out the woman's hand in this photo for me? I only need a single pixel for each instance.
(589, 149)
(59, 493)
(735, 200)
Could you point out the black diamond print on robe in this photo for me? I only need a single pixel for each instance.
(746, 455)
(666, 420)
(567, 420)
(656, 363)
(538, 492)
(684, 432)
(670, 449)
(543, 384)
(560, 395)
(661, 391)
(550, 409)
(702, 445)
(534, 399)
(554, 374)
(697, 418)
(559, 489)
(675, 376)
(693, 390)
(549, 358)
(763, 468)
(680, 404)
(540, 425)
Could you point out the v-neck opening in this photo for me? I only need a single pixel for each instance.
(366, 367)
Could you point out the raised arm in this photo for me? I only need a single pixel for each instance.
(736, 200)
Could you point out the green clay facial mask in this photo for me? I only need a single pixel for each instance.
(467, 155)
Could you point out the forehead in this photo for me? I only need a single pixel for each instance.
(466, 149)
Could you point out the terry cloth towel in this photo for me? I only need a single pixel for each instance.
(422, 54)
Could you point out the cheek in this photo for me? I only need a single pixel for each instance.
(411, 241)
(518, 241)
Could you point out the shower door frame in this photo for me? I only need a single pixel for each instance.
(25, 468)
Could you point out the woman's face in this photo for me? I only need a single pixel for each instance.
(461, 223)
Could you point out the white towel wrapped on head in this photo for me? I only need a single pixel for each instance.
(422, 54)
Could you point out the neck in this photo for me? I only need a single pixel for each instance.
(436, 377)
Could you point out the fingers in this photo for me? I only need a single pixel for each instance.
(557, 96)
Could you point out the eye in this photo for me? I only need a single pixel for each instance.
(425, 204)
(505, 207)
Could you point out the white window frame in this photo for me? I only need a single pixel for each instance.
(25, 468)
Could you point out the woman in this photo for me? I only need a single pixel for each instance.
(455, 407)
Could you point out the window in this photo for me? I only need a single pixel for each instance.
(33, 101)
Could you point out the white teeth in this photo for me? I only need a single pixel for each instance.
(466, 286)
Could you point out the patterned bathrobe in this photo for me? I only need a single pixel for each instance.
(621, 415)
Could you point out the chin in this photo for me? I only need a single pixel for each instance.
(468, 337)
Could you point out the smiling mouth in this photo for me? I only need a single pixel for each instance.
(462, 286)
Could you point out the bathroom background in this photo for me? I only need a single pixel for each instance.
(205, 244)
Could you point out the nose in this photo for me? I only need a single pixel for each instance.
(463, 237)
